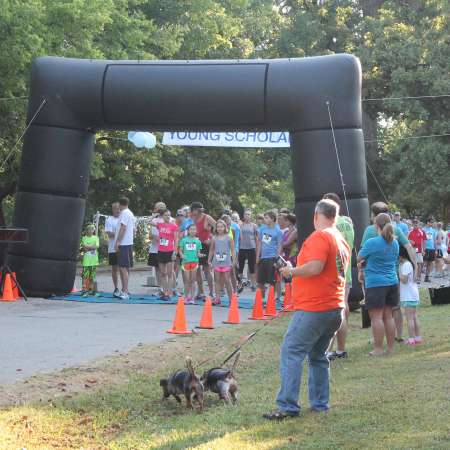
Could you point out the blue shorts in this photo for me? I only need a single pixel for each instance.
(125, 256)
(409, 304)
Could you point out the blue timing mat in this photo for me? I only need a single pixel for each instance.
(106, 297)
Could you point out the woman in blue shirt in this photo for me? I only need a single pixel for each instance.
(379, 256)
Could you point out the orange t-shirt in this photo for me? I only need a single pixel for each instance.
(325, 291)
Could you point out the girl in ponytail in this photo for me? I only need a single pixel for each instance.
(380, 255)
(384, 224)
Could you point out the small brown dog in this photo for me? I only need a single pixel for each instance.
(221, 381)
(184, 382)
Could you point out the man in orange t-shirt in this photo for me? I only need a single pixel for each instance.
(318, 290)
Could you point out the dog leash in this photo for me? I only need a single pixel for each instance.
(240, 342)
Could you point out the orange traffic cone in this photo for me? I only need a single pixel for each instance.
(287, 304)
(206, 320)
(271, 307)
(15, 288)
(258, 313)
(8, 295)
(179, 322)
(233, 312)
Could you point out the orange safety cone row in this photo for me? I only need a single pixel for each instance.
(8, 295)
(271, 307)
(206, 321)
(179, 322)
(288, 305)
(233, 312)
(15, 288)
(258, 313)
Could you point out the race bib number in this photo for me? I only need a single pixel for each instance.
(429, 236)
(221, 257)
(163, 242)
(267, 238)
(191, 246)
(92, 252)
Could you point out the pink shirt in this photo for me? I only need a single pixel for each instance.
(166, 236)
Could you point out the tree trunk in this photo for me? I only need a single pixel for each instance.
(371, 7)
(4, 192)
(370, 133)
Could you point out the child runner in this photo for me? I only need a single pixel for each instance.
(430, 248)
(259, 220)
(180, 219)
(153, 252)
(168, 242)
(190, 249)
(231, 230)
(409, 297)
(247, 248)
(90, 245)
(222, 256)
(269, 247)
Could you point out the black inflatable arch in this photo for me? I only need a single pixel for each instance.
(255, 95)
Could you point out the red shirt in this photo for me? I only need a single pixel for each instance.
(417, 236)
(166, 236)
(326, 291)
(203, 230)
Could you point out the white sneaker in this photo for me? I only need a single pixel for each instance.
(117, 293)
(124, 296)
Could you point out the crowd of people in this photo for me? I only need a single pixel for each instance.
(392, 257)
(201, 249)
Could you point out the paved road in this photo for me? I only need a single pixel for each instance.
(45, 335)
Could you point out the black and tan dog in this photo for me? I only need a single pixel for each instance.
(184, 382)
(221, 381)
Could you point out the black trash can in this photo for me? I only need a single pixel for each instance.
(440, 296)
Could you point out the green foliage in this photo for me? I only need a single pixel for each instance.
(404, 51)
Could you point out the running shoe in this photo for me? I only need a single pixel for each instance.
(217, 302)
(190, 301)
(200, 297)
(124, 296)
(116, 293)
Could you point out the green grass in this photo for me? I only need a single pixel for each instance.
(402, 402)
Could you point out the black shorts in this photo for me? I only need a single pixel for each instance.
(430, 255)
(203, 260)
(152, 260)
(125, 256)
(381, 296)
(112, 259)
(165, 257)
(439, 254)
(247, 255)
(266, 271)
